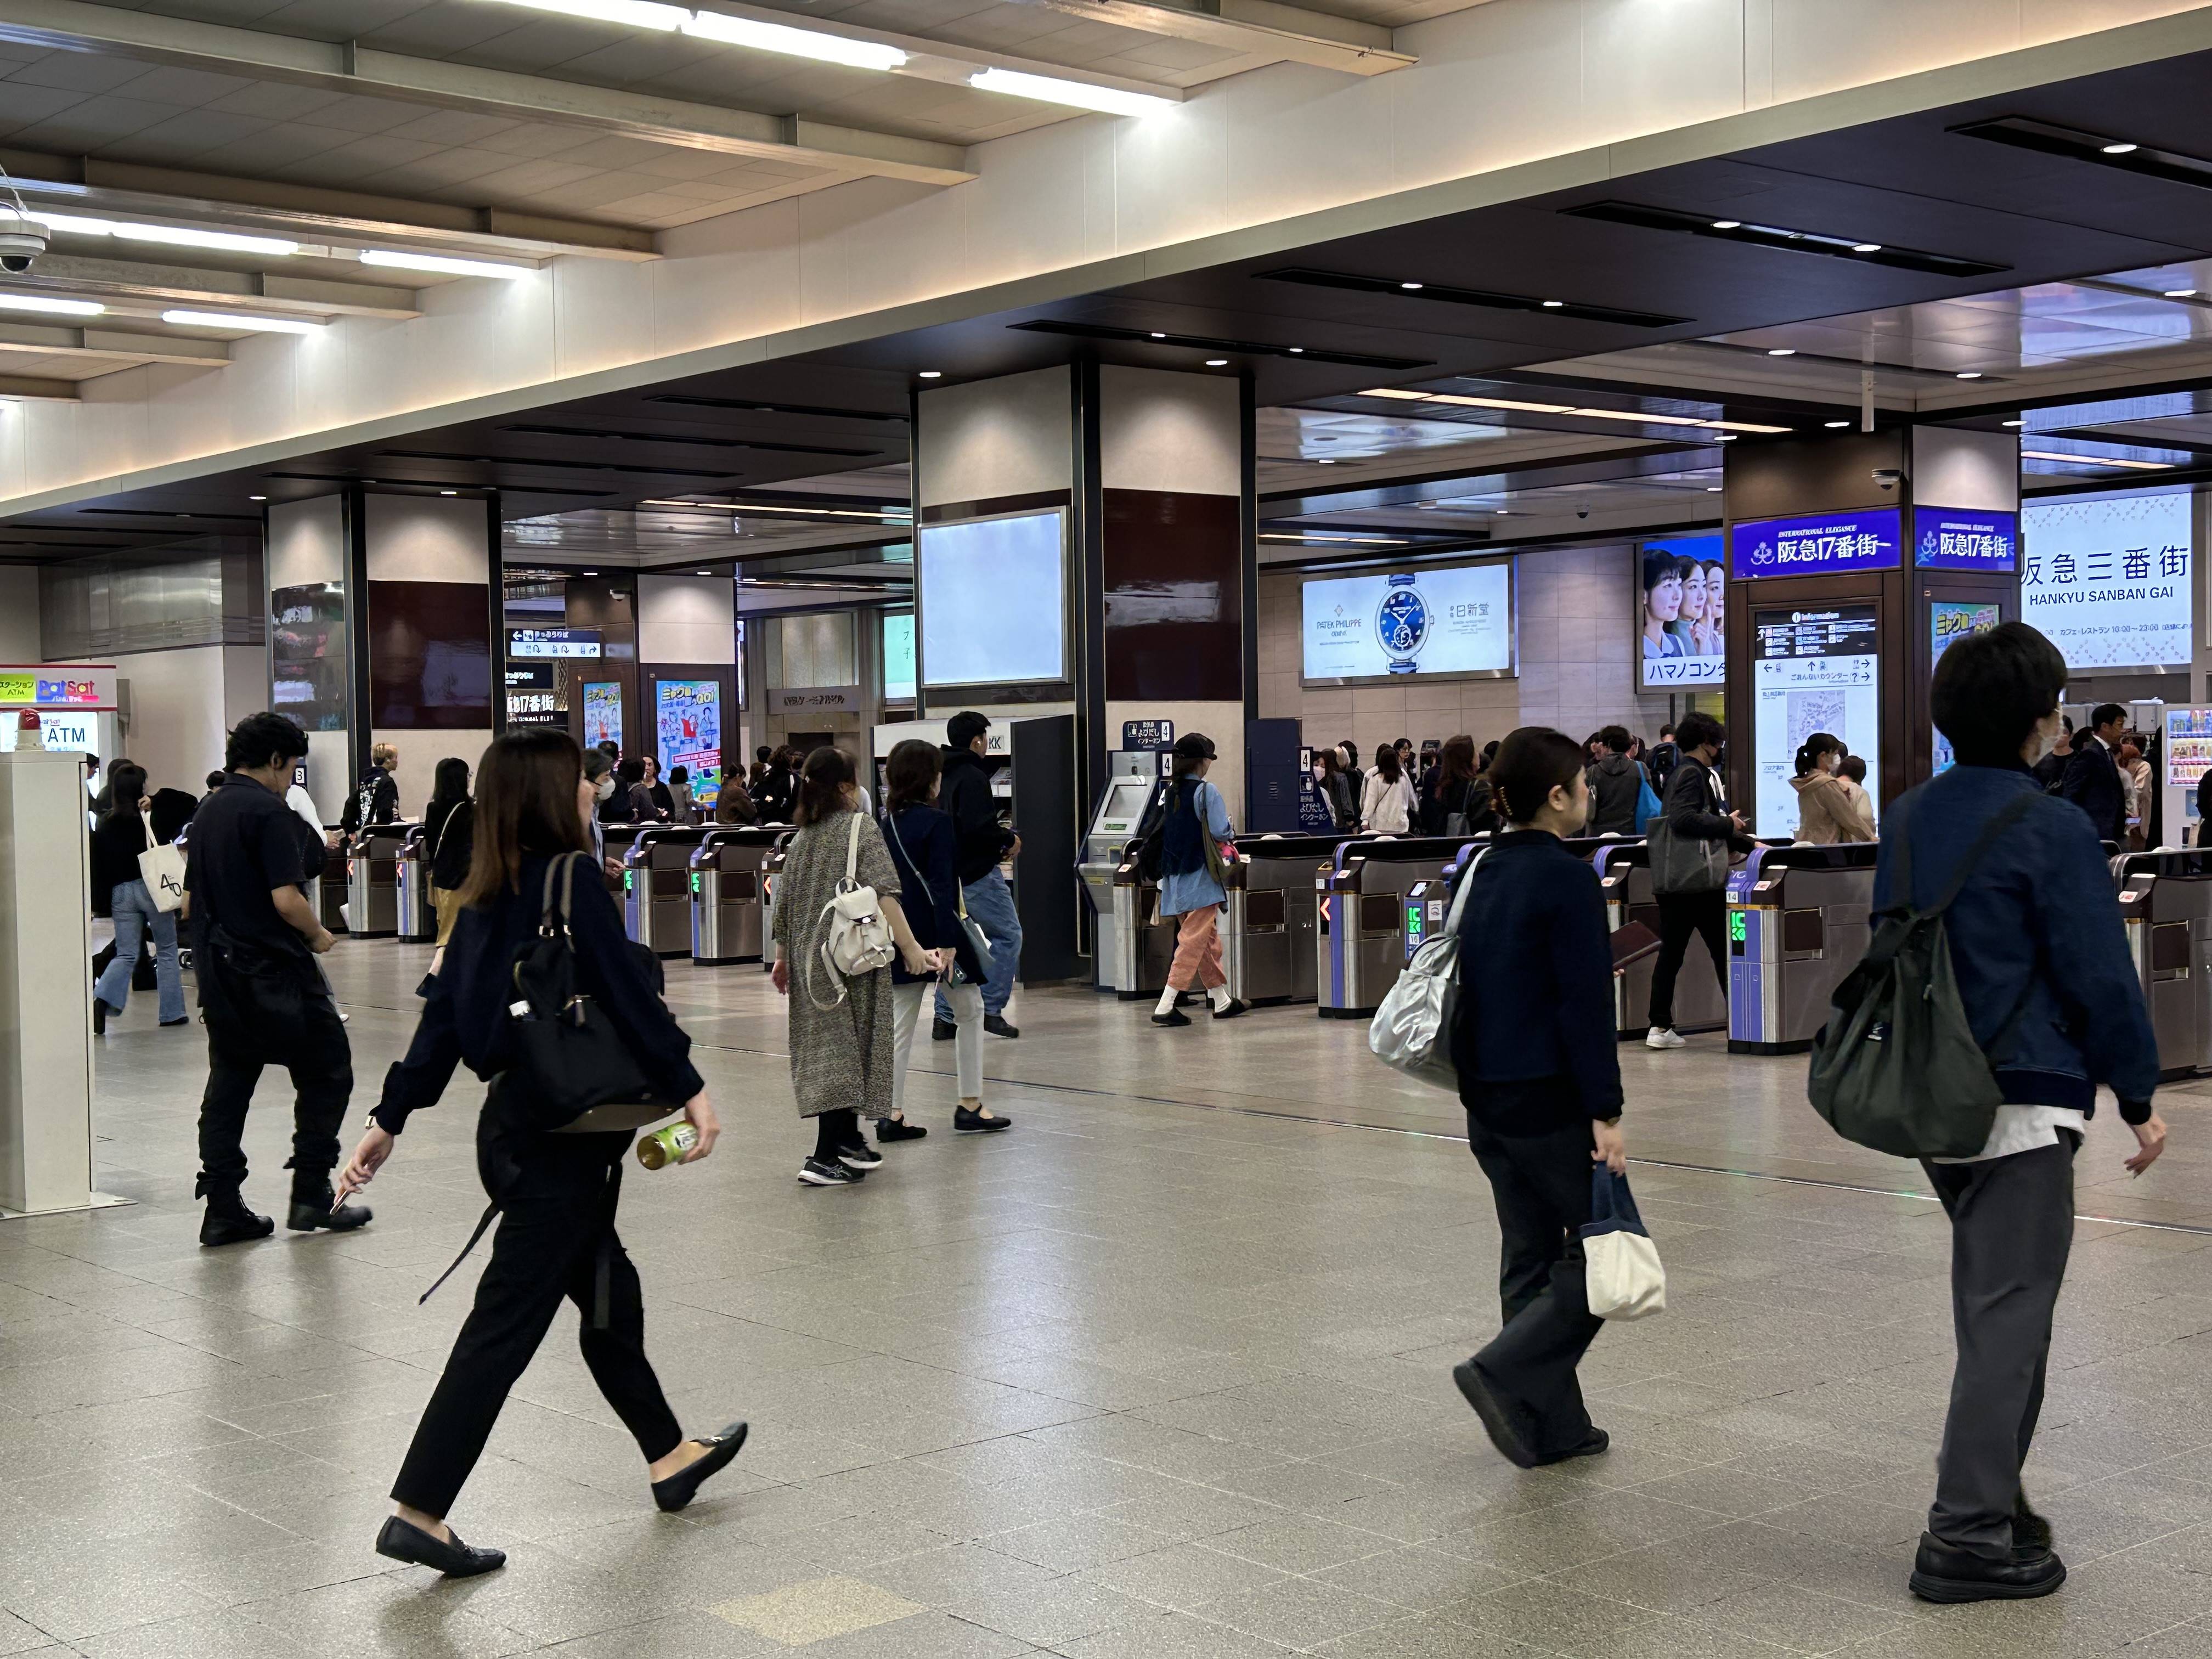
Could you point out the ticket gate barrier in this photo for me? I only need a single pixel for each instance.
(2165, 900)
(617, 838)
(1624, 876)
(1143, 941)
(1271, 921)
(373, 880)
(657, 887)
(330, 894)
(1360, 941)
(1798, 922)
(725, 894)
(418, 917)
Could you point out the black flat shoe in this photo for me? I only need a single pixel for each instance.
(1231, 1008)
(401, 1542)
(2031, 1532)
(186, 1020)
(1595, 1446)
(889, 1129)
(680, 1487)
(965, 1122)
(1496, 1417)
(1173, 1016)
(1945, 1573)
(942, 1030)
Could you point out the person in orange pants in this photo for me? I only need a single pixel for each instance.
(1197, 821)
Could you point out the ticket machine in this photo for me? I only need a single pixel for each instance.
(1798, 921)
(1128, 800)
(657, 887)
(418, 918)
(1271, 920)
(2165, 899)
(725, 894)
(373, 880)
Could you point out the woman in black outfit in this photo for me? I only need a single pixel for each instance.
(1452, 790)
(448, 823)
(1539, 1077)
(556, 1193)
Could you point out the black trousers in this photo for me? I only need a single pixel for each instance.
(320, 1061)
(552, 1221)
(2012, 1226)
(1541, 1185)
(1681, 915)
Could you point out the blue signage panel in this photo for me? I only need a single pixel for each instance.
(1946, 539)
(1824, 544)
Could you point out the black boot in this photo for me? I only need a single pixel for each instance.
(227, 1221)
(314, 1204)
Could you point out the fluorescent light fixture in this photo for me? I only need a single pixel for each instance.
(2118, 149)
(1455, 400)
(1217, 362)
(1411, 288)
(257, 498)
(1295, 351)
(929, 375)
(2095, 460)
(1157, 335)
(1866, 247)
(2016, 423)
(2180, 293)
(449, 492)
(1969, 374)
(229, 320)
(1715, 489)
(1631, 416)
(50, 307)
(1725, 437)
(1077, 95)
(793, 43)
(1728, 224)
(1832, 425)
(636, 13)
(127, 230)
(1389, 392)
(706, 573)
(1783, 351)
(441, 262)
(1554, 304)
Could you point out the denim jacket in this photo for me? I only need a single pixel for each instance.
(2036, 917)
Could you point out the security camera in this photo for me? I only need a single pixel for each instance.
(1888, 476)
(23, 239)
(1582, 513)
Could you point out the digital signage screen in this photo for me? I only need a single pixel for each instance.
(1812, 670)
(687, 733)
(602, 713)
(994, 601)
(1431, 622)
(898, 656)
(1824, 544)
(1948, 621)
(2107, 581)
(1681, 613)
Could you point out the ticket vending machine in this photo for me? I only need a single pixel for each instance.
(1128, 800)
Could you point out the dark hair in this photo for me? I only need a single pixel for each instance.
(215, 780)
(1816, 745)
(526, 806)
(1403, 743)
(126, 788)
(964, 727)
(260, 740)
(1667, 731)
(910, 774)
(822, 782)
(610, 747)
(1330, 766)
(1457, 759)
(631, 771)
(597, 764)
(764, 754)
(644, 761)
(2104, 714)
(2067, 721)
(1386, 762)
(1991, 690)
(1532, 761)
(1699, 728)
(450, 783)
(1854, 768)
(1658, 565)
(679, 774)
(1489, 755)
(1616, 739)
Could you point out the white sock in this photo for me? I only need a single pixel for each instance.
(1218, 996)
(1166, 1004)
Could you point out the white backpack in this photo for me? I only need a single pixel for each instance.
(855, 937)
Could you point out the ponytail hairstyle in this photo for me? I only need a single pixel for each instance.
(1816, 745)
(1532, 761)
(822, 783)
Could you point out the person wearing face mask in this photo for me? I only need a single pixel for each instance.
(1336, 788)
(1826, 813)
(599, 788)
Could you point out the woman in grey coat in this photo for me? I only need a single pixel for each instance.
(842, 1066)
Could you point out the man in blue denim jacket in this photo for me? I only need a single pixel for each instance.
(2051, 992)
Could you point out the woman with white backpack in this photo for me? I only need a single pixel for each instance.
(838, 926)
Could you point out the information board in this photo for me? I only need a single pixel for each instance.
(994, 611)
(1137, 736)
(1812, 670)
(1430, 622)
(2107, 580)
(1946, 539)
(1824, 544)
(1949, 620)
(553, 643)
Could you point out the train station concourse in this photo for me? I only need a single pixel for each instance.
(1535, 674)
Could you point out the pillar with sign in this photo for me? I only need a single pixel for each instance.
(1853, 562)
(72, 706)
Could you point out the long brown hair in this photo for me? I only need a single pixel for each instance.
(525, 805)
(822, 783)
(910, 774)
(1459, 759)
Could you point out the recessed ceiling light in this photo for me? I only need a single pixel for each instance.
(706, 573)
(1970, 375)
(1832, 425)
(1554, 304)
(447, 263)
(1411, 288)
(1714, 489)
(1295, 351)
(257, 498)
(1158, 336)
(590, 572)
(1785, 238)
(2117, 149)
(2016, 423)
(1077, 95)
(449, 492)
(1217, 362)
(51, 307)
(243, 324)
(1324, 461)
(931, 375)
(1866, 247)
(1728, 224)
(2181, 294)
(1502, 513)
(1783, 351)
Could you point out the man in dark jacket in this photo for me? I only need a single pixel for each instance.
(2051, 770)
(2093, 776)
(1616, 784)
(965, 795)
(2051, 993)
(375, 799)
(1696, 810)
(1666, 755)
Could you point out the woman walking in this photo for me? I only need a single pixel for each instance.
(449, 823)
(556, 1193)
(1539, 1077)
(125, 830)
(925, 846)
(841, 1028)
(1195, 823)
(1387, 805)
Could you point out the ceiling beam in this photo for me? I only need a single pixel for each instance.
(162, 285)
(31, 386)
(38, 340)
(1263, 28)
(74, 26)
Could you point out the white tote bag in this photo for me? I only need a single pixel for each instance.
(161, 867)
(855, 937)
(1621, 1273)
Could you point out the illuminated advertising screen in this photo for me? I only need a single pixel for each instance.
(687, 733)
(553, 643)
(1812, 670)
(1824, 544)
(1682, 594)
(602, 712)
(1428, 622)
(898, 656)
(1949, 620)
(994, 601)
(1946, 539)
(2107, 581)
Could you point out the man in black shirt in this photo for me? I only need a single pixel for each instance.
(375, 799)
(264, 1001)
(2051, 770)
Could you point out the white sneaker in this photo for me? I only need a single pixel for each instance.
(1661, 1037)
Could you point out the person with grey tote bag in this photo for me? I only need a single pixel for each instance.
(1692, 842)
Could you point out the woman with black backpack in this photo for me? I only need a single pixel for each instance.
(555, 1192)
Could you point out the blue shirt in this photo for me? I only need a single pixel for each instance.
(1194, 889)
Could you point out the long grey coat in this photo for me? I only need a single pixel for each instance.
(841, 1057)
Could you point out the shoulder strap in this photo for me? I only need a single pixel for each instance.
(1459, 898)
(2005, 818)
(853, 851)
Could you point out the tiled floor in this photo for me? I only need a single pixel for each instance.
(1163, 1372)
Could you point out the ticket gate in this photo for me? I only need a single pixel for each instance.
(2165, 899)
(1624, 876)
(771, 868)
(1798, 921)
(725, 894)
(1360, 944)
(331, 896)
(373, 880)
(1270, 925)
(1143, 941)
(618, 839)
(418, 917)
(657, 887)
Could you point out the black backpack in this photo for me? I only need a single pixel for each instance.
(1897, 1068)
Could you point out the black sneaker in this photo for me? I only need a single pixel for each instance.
(860, 1155)
(1597, 1443)
(941, 1030)
(1498, 1420)
(1231, 1008)
(815, 1173)
(1173, 1016)
(889, 1129)
(1944, 1572)
(227, 1221)
(310, 1210)
(966, 1122)
(997, 1026)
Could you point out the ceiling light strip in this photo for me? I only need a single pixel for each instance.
(1786, 239)
(1199, 343)
(1354, 283)
(2096, 461)
(2048, 138)
(1634, 418)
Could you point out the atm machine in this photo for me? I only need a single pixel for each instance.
(1127, 800)
(1798, 922)
(2165, 900)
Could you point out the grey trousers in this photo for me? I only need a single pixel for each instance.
(2012, 1226)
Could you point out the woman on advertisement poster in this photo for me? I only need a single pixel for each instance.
(1662, 604)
